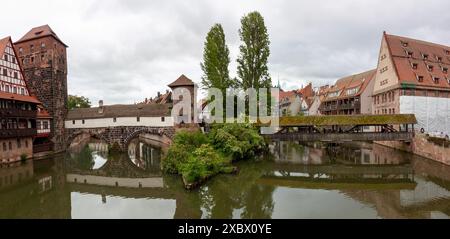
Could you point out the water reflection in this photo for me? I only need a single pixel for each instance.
(295, 181)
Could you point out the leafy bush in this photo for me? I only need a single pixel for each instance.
(239, 140)
(190, 140)
(196, 156)
(176, 155)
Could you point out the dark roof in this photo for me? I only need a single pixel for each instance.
(39, 32)
(182, 81)
(111, 111)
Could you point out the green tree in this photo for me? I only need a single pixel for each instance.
(216, 60)
(75, 101)
(254, 52)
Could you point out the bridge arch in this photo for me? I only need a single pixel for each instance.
(156, 136)
(83, 135)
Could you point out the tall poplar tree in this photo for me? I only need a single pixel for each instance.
(254, 52)
(216, 60)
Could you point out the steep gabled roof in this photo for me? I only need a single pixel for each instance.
(182, 81)
(360, 80)
(307, 91)
(3, 44)
(438, 57)
(39, 32)
(8, 95)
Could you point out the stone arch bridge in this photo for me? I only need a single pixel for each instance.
(121, 135)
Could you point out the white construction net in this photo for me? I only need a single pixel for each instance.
(432, 113)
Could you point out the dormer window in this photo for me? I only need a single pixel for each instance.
(430, 67)
(425, 56)
(409, 53)
(435, 79)
(420, 78)
(404, 44)
(445, 70)
(439, 59)
(447, 52)
(414, 66)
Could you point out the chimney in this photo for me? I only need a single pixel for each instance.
(100, 106)
(167, 91)
(159, 94)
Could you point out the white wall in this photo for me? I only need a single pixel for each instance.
(120, 121)
(432, 113)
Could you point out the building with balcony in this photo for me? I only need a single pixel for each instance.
(18, 109)
(413, 78)
(42, 144)
(350, 95)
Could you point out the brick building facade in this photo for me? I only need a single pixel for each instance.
(44, 61)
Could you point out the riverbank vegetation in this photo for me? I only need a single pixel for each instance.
(197, 157)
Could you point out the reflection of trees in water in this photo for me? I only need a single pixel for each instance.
(82, 160)
(226, 193)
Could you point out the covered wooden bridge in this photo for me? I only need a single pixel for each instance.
(338, 128)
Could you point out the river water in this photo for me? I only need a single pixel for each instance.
(357, 180)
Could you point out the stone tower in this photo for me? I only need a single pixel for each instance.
(188, 84)
(44, 61)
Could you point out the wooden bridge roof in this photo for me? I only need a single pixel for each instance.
(347, 120)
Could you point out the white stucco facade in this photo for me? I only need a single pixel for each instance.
(120, 121)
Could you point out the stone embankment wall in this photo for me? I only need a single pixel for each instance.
(422, 147)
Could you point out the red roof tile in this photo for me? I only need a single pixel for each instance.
(38, 32)
(18, 97)
(182, 81)
(399, 48)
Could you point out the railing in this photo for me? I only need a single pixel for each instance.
(45, 147)
(43, 131)
(12, 133)
(339, 137)
(18, 113)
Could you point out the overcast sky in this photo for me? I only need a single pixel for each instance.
(125, 51)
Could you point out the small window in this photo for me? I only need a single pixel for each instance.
(19, 144)
(82, 121)
(42, 45)
(73, 121)
(114, 119)
(414, 66)
(32, 47)
(21, 50)
(410, 53)
(447, 52)
(436, 80)
(13, 60)
(404, 44)
(138, 119)
(16, 75)
(439, 59)
(5, 72)
(420, 78)
(425, 56)
(445, 70)
(22, 91)
(6, 57)
(42, 57)
(430, 67)
(32, 59)
(163, 119)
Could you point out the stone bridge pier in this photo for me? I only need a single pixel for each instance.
(121, 135)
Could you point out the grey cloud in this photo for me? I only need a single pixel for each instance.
(123, 51)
